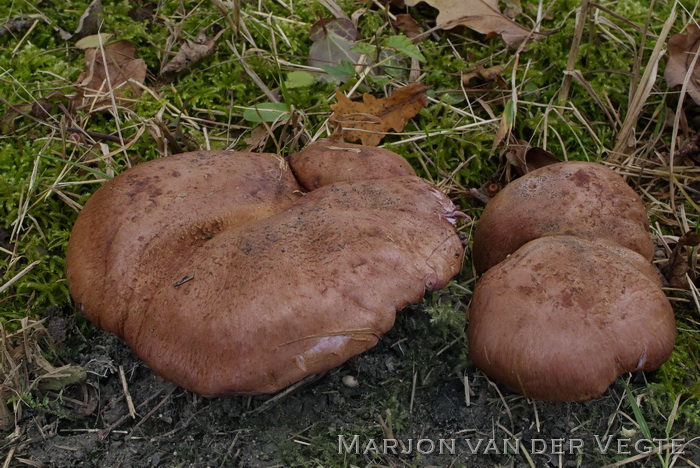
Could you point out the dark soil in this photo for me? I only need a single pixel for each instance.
(91, 425)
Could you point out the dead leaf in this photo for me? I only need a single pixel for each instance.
(682, 49)
(491, 74)
(15, 25)
(90, 21)
(190, 53)
(408, 25)
(513, 8)
(677, 267)
(144, 12)
(482, 16)
(369, 119)
(527, 158)
(42, 108)
(333, 40)
(110, 70)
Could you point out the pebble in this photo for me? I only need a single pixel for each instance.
(350, 381)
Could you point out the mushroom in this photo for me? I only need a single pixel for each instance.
(329, 161)
(226, 277)
(569, 198)
(562, 317)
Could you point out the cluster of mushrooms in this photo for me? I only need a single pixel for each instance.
(241, 273)
(568, 300)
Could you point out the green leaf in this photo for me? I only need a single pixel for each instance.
(267, 112)
(365, 48)
(299, 79)
(509, 114)
(78, 165)
(91, 42)
(342, 72)
(636, 410)
(333, 40)
(404, 45)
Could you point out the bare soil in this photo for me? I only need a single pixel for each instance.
(403, 389)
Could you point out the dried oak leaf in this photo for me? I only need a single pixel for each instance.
(677, 267)
(482, 16)
(190, 53)
(368, 120)
(682, 49)
(115, 70)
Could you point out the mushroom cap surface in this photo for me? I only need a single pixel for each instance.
(328, 161)
(225, 278)
(563, 317)
(569, 198)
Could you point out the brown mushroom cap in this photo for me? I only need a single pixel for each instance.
(563, 317)
(329, 161)
(224, 278)
(569, 198)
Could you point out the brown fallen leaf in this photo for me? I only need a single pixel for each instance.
(482, 16)
(491, 74)
(90, 21)
(682, 49)
(407, 24)
(110, 70)
(369, 119)
(143, 12)
(527, 158)
(15, 25)
(677, 267)
(190, 53)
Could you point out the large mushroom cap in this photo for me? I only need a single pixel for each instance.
(569, 198)
(225, 278)
(563, 317)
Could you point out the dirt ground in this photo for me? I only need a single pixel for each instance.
(403, 389)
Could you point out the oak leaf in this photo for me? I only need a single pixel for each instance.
(682, 49)
(368, 120)
(112, 69)
(482, 16)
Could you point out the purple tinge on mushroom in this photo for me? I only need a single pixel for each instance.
(230, 272)
(569, 300)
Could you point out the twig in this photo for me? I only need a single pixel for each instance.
(150, 413)
(642, 92)
(99, 136)
(102, 434)
(581, 16)
(277, 398)
(19, 275)
(127, 395)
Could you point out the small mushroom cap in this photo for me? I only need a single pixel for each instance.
(563, 317)
(328, 161)
(225, 278)
(569, 198)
